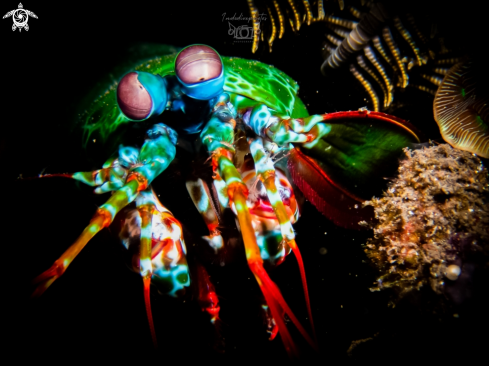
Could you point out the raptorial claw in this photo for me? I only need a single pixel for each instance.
(157, 153)
(283, 130)
(114, 172)
(105, 179)
(304, 131)
(301, 125)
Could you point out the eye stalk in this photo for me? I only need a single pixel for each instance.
(200, 71)
(141, 95)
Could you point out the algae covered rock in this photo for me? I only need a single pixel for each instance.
(433, 221)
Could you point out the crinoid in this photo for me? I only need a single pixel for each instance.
(380, 43)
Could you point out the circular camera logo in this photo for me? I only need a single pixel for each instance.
(241, 32)
(20, 17)
(245, 32)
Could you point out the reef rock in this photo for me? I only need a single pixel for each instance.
(432, 221)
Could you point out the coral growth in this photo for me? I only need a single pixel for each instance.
(432, 217)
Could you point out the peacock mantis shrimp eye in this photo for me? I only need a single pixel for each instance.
(198, 63)
(141, 95)
(200, 70)
(133, 98)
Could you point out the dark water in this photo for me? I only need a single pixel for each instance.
(96, 309)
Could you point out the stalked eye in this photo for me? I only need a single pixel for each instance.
(198, 63)
(133, 98)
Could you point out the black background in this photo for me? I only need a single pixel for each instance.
(96, 310)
